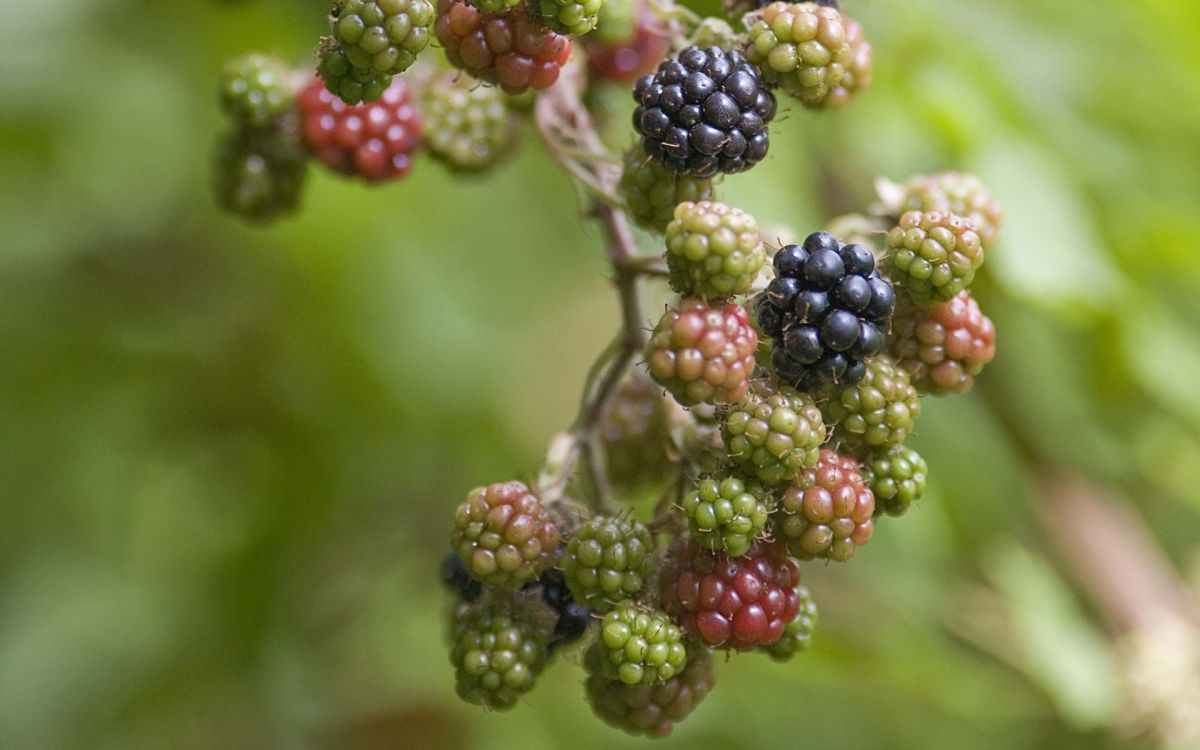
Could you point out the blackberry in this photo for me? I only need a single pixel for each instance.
(621, 57)
(572, 623)
(650, 710)
(897, 479)
(797, 635)
(457, 579)
(740, 602)
(374, 141)
(504, 535)
(701, 353)
(651, 191)
(639, 646)
(727, 514)
(801, 47)
(945, 347)
(607, 560)
(933, 255)
(255, 90)
(633, 432)
(350, 84)
(574, 17)
(509, 49)
(713, 250)
(774, 433)
(705, 111)
(826, 310)
(468, 126)
(877, 412)
(260, 174)
(947, 192)
(382, 36)
(827, 512)
(497, 651)
(858, 67)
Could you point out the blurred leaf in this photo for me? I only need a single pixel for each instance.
(1062, 651)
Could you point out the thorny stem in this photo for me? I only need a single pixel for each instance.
(570, 135)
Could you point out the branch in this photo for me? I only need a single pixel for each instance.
(572, 140)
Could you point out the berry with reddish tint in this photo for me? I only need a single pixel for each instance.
(740, 602)
(650, 710)
(945, 347)
(508, 49)
(933, 255)
(801, 47)
(703, 354)
(504, 535)
(827, 512)
(798, 634)
(858, 67)
(374, 141)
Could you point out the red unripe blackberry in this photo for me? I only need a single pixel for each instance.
(703, 354)
(374, 141)
(650, 710)
(504, 535)
(740, 602)
(827, 512)
(945, 347)
(509, 49)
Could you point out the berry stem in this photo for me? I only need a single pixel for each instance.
(571, 137)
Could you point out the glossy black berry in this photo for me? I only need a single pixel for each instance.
(839, 310)
(704, 112)
(572, 623)
(458, 580)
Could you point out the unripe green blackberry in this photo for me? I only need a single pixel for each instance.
(607, 560)
(727, 514)
(897, 478)
(504, 535)
(714, 32)
(574, 17)
(382, 36)
(468, 126)
(495, 6)
(933, 255)
(713, 250)
(618, 23)
(774, 433)
(651, 191)
(260, 174)
(255, 90)
(640, 646)
(945, 347)
(801, 47)
(497, 651)
(701, 353)
(947, 192)
(633, 431)
(858, 68)
(650, 710)
(877, 412)
(350, 84)
(827, 512)
(797, 636)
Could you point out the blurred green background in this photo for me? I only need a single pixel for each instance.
(228, 455)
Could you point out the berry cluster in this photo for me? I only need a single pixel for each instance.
(767, 422)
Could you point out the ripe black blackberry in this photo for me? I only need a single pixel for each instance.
(705, 111)
(458, 580)
(826, 310)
